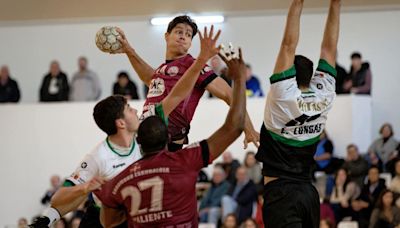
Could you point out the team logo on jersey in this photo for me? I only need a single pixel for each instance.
(156, 88)
(320, 86)
(119, 165)
(83, 165)
(173, 71)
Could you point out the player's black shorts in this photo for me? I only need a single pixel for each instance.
(290, 204)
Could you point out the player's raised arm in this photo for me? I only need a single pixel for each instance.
(331, 34)
(185, 85)
(234, 123)
(142, 68)
(290, 38)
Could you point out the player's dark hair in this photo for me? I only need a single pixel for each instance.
(304, 70)
(107, 111)
(356, 55)
(184, 19)
(152, 135)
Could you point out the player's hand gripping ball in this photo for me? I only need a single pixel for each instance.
(106, 39)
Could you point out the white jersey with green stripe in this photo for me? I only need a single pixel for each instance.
(293, 122)
(104, 161)
(294, 117)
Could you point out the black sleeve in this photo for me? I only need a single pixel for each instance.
(43, 89)
(134, 94)
(205, 152)
(65, 88)
(208, 80)
(15, 96)
(328, 146)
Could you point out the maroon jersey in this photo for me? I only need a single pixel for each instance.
(164, 79)
(159, 190)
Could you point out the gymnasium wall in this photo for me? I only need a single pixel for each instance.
(39, 140)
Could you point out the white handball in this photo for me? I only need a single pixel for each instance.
(106, 39)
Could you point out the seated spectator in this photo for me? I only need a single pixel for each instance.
(360, 78)
(324, 153)
(210, 206)
(54, 85)
(253, 88)
(22, 223)
(230, 221)
(395, 184)
(326, 212)
(362, 207)
(341, 77)
(344, 191)
(325, 223)
(55, 182)
(385, 146)
(385, 214)
(249, 223)
(355, 165)
(374, 160)
(85, 85)
(230, 166)
(259, 210)
(125, 87)
(241, 197)
(253, 167)
(9, 91)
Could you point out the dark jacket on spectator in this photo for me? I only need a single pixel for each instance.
(129, 90)
(63, 88)
(245, 199)
(9, 92)
(230, 170)
(213, 196)
(362, 79)
(357, 170)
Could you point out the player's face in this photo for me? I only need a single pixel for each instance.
(131, 118)
(179, 39)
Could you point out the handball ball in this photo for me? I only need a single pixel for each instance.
(106, 39)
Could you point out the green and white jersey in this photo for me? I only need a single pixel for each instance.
(293, 121)
(104, 161)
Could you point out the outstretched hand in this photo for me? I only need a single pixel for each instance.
(125, 46)
(208, 41)
(236, 65)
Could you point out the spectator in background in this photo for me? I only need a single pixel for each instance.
(341, 77)
(230, 221)
(325, 223)
(323, 155)
(253, 88)
(385, 214)
(55, 182)
(360, 77)
(125, 87)
(241, 197)
(386, 145)
(210, 206)
(85, 85)
(249, 223)
(62, 223)
(230, 166)
(54, 85)
(395, 184)
(253, 167)
(362, 207)
(9, 91)
(326, 212)
(355, 165)
(22, 223)
(374, 160)
(343, 193)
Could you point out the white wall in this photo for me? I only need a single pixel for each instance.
(24, 159)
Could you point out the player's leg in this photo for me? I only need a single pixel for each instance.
(280, 209)
(331, 33)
